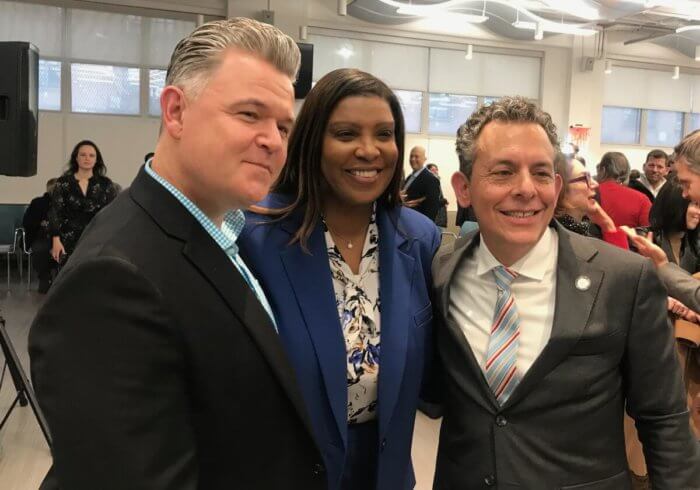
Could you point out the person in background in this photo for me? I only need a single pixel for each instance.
(577, 201)
(625, 206)
(421, 190)
(441, 216)
(679, 283)
(36, 228)
(655, 171)
(347, 271)
(634, 175)
(79, 194)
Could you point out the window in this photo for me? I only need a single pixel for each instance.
(411, 106)
(664, 128)
(490, 100)
(621, 125)
(105, 89)
(155, 87)
(694, 122)
(447, 112)
(49, 85)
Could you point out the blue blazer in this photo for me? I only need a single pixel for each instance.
(300, 290)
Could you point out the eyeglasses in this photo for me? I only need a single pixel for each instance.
(585, 177)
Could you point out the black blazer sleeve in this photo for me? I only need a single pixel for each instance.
(661, 415)
(426, 186)
(31, 222)
(122, 420)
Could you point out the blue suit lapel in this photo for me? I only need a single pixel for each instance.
(395, 285)
(310, 278)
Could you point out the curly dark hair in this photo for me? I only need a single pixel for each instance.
(506, 109)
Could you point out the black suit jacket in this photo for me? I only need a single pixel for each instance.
(611, 349)
(428, 186)
(157, 367)
(36, 214)
(638, 186)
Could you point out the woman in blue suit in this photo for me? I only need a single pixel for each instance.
(346, 269)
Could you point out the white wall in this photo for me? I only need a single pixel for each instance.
(122, 140)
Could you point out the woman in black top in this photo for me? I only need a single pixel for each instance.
(77, 197)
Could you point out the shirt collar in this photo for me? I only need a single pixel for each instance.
(645, 182)
(231, 227)
(535, 264)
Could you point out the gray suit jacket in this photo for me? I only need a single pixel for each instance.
(681, 285)
(562, 428)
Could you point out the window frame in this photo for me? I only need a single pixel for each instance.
(643, 129)
(65, 90)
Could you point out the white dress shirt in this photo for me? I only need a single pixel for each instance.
(473, 298)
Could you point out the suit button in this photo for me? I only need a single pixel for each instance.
(382, 445)
(501, 421)
(319, 469)
(490, 480)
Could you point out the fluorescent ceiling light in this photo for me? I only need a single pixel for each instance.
(608, 67)
(525, 24)
(469, 54)
(427, 11)
(676, 72)
(555, 27)
(694, 27)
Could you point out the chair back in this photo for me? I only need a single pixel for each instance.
(10, 219)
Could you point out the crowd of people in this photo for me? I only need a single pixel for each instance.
(269, 301)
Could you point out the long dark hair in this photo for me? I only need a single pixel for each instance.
(668, 213)
(99, 169)
(301, 177)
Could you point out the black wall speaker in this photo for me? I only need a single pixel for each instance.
(19, 108)
(303, 85)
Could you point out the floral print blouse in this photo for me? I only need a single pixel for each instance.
(357, 300)
(71, 210)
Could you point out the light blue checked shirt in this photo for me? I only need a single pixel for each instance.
(225, 236)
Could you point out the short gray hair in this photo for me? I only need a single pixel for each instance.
(506, 109)
(198, 54)
(614, 166)
(689, 148)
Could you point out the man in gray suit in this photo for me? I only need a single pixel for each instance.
(545, 336)
(679, 283)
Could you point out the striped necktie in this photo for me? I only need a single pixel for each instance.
(502, 353)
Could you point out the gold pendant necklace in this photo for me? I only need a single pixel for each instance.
(349, 244)
(334, 234)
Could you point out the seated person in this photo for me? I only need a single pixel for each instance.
(36, 229)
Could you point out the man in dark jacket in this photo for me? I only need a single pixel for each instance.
(421, 190)
(35, 223)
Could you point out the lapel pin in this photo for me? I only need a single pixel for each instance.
(583, 283)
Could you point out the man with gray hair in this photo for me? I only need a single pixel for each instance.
(156, 357)
(545, 336)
